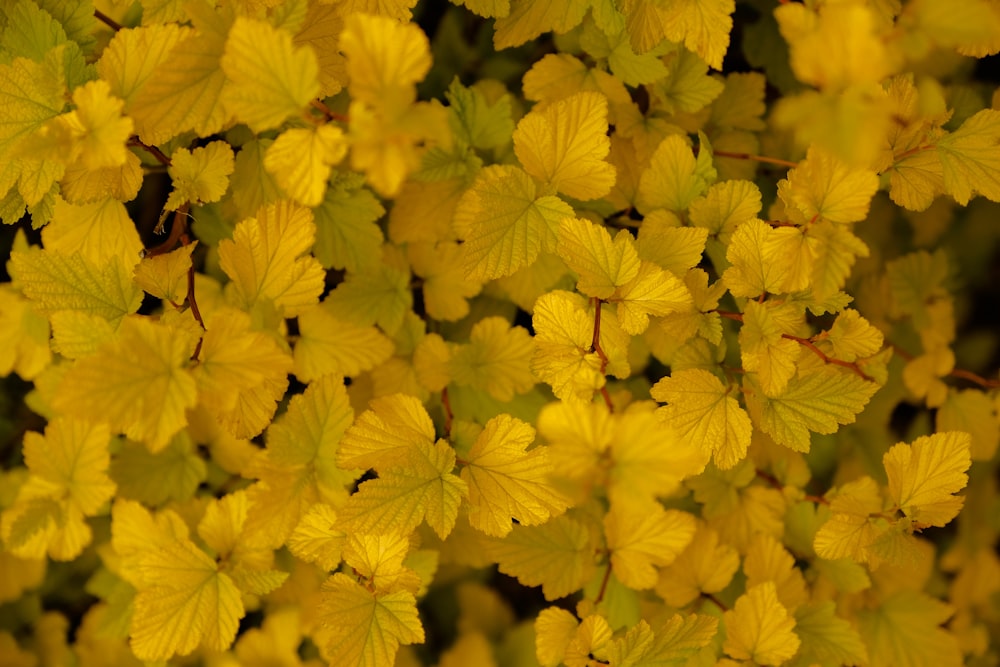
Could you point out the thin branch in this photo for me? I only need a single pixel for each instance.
(776, 483)
(595, 345)
(714, 600)
(960, 373)
(849, 365)
(805, 342)
(329, 113)
(152, 150)
(107, 20)
(756, 158)
(912, 151)
(604, 584)
(448, 415)
(177, 230)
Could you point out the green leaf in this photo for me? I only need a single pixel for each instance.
(346, 234)
(56, 282)
(814, 401)
(475, 121)
(827, 638)
(504, 224)
(557, 556)
(905, 630)
(675, 178)
(420, 487)
(601, 263)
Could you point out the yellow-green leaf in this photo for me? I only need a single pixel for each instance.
(640, 538)
(924, 476)
(565, 144)
(269, 79)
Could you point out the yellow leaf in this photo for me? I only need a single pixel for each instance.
(651, 292)
(916, 180)
(674, 641)
(675, 178)
(554, 629)
(641, 538)
(564, 146)
(704, 566)
(823, 187)
(972, 411)
(68, 481)
(77, 334)
(165, 276)
(173, 473)
(137, 383)
(80, 185)
(905, 629)
(648, 459)
(853, 337)
(528, 20)
(24, 336)
(56, 282)
(98, 231)
(837, 48)
(670, 247)
(700, 409)
(200, 176)
(601, 263)
(315, 540)
(759, 628)
(385, 60)
(762, 348)
(265, 259)
(123, 70)
(321, 30)
(563, 356)
(184, 90)
(768, 560)
(269, 78)
(753, 253)
(298, 468)
(924, 476)
(328, 344)
(497, 359)
(558, 556)
(378, 559)
(382, 435)
(969, 158)
(446, 288)
(234, 360)
(365, 629)
(850, 531)
(405, 494)
(504, 223)
(100, 131)
(192, 604)
(704, 27)
(300, 161)
(507, 482)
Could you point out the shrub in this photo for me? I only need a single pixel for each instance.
(520, 332)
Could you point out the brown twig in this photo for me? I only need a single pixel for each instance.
(604, 584)
(448, 415)
(152, 150)
(714, 600)
(807, 343)
(107, 20)
(595, 345)
(960, 373)
(329, 113)
(756, 158)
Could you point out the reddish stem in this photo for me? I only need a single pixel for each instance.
(604, 584)
(756, 158)
(107, 20)
(152, 150)
(448, 415)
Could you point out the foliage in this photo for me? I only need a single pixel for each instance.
(325, 321)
